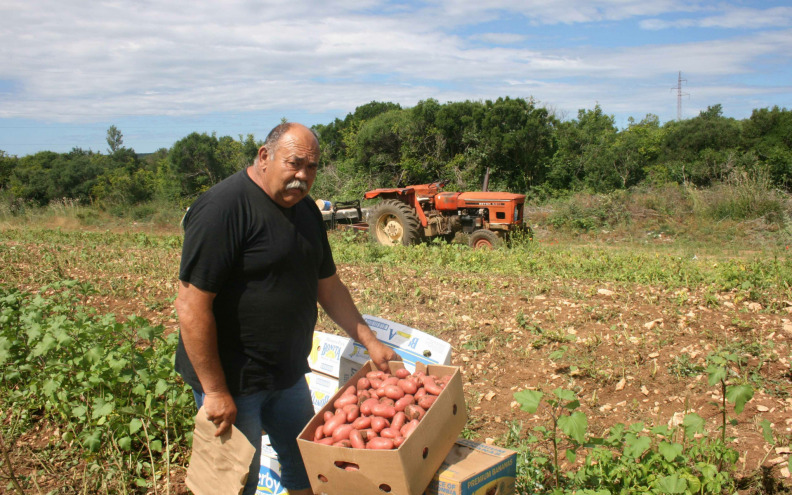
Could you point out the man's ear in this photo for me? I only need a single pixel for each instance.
(263, 154)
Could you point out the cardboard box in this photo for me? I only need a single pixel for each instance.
(414, 346)
(322, 387)
(326, 351)
(403, 471)
(269, 481)
(473, 468)
(266, 447)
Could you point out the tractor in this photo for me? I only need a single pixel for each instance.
(407, 215)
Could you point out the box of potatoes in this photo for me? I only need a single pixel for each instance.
(385, 432)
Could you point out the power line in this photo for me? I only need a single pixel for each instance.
(680, 94)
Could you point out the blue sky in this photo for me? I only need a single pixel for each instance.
(160, 70)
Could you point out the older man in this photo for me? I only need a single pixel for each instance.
(254, 264)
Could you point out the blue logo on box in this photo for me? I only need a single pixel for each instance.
(269, 483)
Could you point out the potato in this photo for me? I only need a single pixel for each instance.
(380, 443)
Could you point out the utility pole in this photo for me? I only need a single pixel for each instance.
(680, 94)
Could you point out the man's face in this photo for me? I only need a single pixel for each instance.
(289, 173)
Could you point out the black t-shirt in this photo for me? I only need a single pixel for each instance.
(263, 262)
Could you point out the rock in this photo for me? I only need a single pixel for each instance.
(621, 384)
(676, 419)
(489, 441)
(644, 390)
(514, 404)
(654, 355)
(489, 395)
(754, 306)
(605, 292)
(606, 408)
(762, 408)
(784, 471)
(651, 324)
(787, 327)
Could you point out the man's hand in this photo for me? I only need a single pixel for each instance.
(221, 410)
(381, 354)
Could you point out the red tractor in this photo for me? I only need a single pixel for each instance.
(409, 214)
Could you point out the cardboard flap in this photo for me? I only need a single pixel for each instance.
(219, 465)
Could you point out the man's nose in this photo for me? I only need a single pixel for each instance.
(302, 174)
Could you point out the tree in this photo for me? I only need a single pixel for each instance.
(7, 164)
(197, 162)
(115, 140)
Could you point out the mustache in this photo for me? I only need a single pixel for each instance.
(297, 184)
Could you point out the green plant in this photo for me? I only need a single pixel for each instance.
(718, 372)
(108, 385)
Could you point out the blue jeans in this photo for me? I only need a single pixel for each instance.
(282, 414)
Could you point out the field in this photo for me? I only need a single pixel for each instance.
(560, 340)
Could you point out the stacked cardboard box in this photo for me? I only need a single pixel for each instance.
(473, 468)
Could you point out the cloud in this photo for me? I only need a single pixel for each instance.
(75, 61)
(733, 18)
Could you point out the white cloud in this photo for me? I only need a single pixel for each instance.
(81, 61)
(732, 18)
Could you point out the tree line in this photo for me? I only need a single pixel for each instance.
(524, 147)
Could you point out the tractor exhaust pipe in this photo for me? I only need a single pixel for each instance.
(485, 186)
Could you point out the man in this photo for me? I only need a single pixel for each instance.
(254, 264)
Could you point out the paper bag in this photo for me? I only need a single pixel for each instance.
(219, 465)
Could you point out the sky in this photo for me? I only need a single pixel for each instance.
(160, 70)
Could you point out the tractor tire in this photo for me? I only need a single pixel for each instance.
(393, 222)
(484, 239)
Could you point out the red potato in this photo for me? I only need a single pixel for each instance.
(444, 380)
(344, 400)
(325, 441)
(426, 401)
(356, 439)
(404, 402)
(342, 432)
(431, 385)
(402, 373)
(365, 407)
(414, 411)
(383, 410)
(407, 386)
(380, 443)
(352, 412)
(363, 395)
(398, 441)
(420, 393)
(367, 434)
(328, 415)
(387, 401)
(407, 429)
(319, 433)
(390, 433)
(375, 383)
(398, 421)
(393, 380)
(374, 374)
(379, 423)
(343, 443)
(350, 390)
(363, 383)
(362, 423)
(333, 423)
(394, 392)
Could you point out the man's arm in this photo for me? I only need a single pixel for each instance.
(199, 334)
(338, 304)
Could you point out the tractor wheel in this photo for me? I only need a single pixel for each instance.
(393, 222)
(484, 238)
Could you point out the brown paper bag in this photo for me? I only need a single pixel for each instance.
(219, 465)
